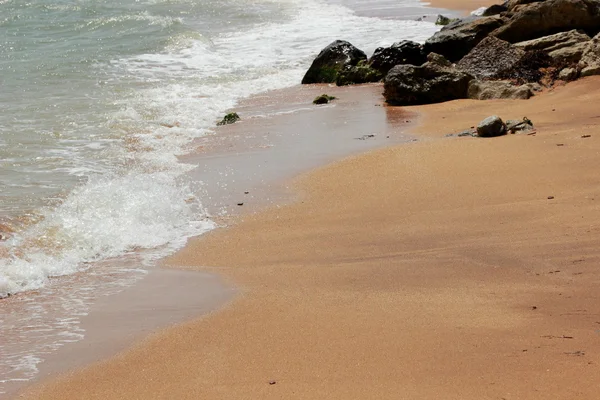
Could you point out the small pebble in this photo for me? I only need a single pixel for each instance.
(246, 192)
(534, 308)
(272, 382)
(550, 197)
(240, 204)
(560, 144)
(585, 136)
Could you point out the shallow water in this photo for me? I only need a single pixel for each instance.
(98, 99)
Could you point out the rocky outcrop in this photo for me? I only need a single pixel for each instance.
(331, 60)
(494, 10)
(404, 52)
(548, 17)
(455, 40)
(491, 127)
(488, 90)
(361, 73)
(590, 59)
(491, 58)
(562, 47)
(432, 82)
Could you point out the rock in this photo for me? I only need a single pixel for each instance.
(513, 5)
(590, 71)
(491, 127)
(438, 59)
(568, 74)
(547, 17)
(491, 58)
(590, 59)
(488, 90)
(442, 20)
(230, 118)
(563, 47)
(404, 52)
(428, 83)
(494, 10)
(323, 99)
(529, 68)
(361, 73)
(458, 38)
(331, 60)
(514, 126)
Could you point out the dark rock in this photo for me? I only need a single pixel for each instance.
(548, 17)
(230, 118)
(491, 127)
(361, 73)
(323, 99)
(455, 40)
(404, 52)
(529, 68)
(331, 60)
(491, 58)
(494, 10)
(513, 5)
(428, 83)
(488, 90)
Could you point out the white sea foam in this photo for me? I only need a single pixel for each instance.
(133, 197)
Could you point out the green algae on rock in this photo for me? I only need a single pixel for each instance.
(230, 118)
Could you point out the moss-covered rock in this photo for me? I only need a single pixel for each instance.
(331, 60)
(360, 73)
(229, 119)
(443, 20)
(323, 99)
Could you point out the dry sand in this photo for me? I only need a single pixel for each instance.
(434, 270)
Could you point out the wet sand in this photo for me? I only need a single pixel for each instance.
(281, 134)
(450, 268)
(462, 6)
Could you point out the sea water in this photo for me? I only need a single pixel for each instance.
(98, 98)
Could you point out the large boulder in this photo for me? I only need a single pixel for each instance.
(432, 82)
(331, 60)
(491, 58)
(404, 52)
(488, 90)
(456, 39)
(548, 17)
(562, 47)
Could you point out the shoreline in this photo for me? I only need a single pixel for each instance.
(319, 286)
(285, 199)
(249, 158)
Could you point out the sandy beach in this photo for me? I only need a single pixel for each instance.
(453, 268)
(442, 267)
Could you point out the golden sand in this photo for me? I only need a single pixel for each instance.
(451, 268)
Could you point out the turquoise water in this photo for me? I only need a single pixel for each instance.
(97, 100)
